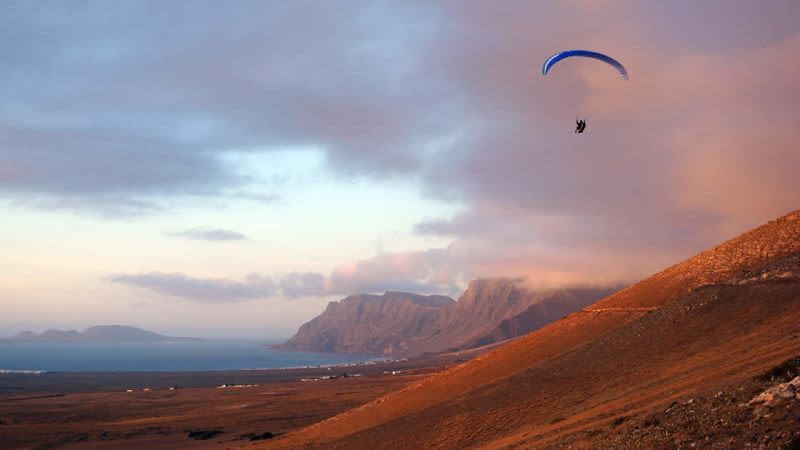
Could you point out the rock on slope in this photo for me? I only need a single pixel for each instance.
(398, 323)
(668, 363)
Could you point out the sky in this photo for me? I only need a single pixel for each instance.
(225, 170)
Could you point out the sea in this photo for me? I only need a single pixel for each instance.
(189, 356)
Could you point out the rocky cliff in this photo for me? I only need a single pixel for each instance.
(398, 323)
(551, 306)
(368, 324)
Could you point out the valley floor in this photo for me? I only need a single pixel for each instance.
(50, 413)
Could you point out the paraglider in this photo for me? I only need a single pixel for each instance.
(551, 61)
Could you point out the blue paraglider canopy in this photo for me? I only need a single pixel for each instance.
(551, 61)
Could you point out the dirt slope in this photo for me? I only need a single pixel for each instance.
(711, 322)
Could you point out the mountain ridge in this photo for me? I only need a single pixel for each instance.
(398, 323)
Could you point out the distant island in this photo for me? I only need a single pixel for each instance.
(99, 333)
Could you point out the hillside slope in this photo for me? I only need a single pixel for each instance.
(399, 323)
(700, 329)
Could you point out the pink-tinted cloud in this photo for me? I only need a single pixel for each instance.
(696, 147)
(203, 289)
(431, 270)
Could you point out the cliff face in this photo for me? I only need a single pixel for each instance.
(407, 324)
(368, 324)
(548, 307)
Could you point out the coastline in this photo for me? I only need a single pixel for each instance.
(309, 366)
(12, 383)
(217, 355)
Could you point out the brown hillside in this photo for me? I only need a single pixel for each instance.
(710, 323)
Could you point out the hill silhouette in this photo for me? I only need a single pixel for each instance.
(97, 333)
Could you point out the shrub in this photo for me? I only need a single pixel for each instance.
(784, 372)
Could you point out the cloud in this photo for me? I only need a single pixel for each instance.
(427, 271)
(410, 271)
(118, 103)
(202, 289)
(253, 287)
(694, 149)
(210, 234)
(256, 197)
(118, 110)
(305, 284)
(104, 206)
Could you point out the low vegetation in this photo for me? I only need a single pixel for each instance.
(203, 435)
(786, 371)
(259, 437)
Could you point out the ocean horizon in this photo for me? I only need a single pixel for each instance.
(206, 355)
